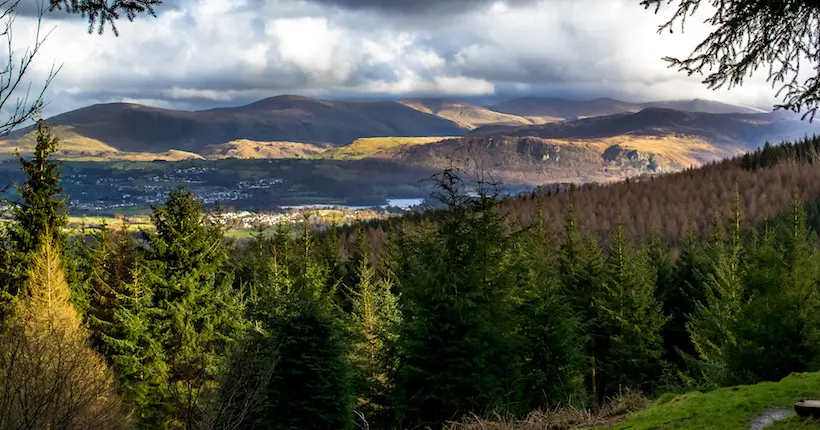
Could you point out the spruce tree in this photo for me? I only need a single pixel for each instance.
(311, 386)
(632, 316)
(553, 342)
(41, 208)
(194, 315)
(680, 297)
(713, 326)
(374, 318)
(456, 340)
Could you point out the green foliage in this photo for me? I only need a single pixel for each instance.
(374, 317)
(194, 315)
(40, 209)
(632, 317)
(311, 387)
(456, 340)
(553, 341)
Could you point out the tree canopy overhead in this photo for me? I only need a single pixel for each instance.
(779, 35)
(105, 12)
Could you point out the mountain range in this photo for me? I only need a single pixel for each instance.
(528, 140)
(138, 128)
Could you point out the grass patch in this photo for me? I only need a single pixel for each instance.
(381, 147)
(727, 408)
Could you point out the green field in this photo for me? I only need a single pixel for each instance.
(728, 408)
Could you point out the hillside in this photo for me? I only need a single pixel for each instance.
(576, 109)
(738, 132)
(466, 114)
(729, 408)
(138, 128)
(377, 147)
(602, 149)
(247, 149)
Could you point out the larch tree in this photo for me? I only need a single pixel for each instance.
(50, 377)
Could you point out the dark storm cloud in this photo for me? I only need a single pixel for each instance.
(212, 53)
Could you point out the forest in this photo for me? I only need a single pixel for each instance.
(490, 306)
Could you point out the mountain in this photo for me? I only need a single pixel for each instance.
(598, 149)
(138, 128)
(576, 109)
(700, 105)
(741, 131)
(465, 114)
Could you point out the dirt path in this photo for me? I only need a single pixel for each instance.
(768, 418)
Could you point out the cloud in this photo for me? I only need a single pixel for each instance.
(205, 53)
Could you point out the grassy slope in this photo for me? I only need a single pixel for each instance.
(70, 141)
(467, 115)
(245, 149)
(727, 408)
(380, 147)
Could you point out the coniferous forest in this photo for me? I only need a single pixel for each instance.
(489, 306)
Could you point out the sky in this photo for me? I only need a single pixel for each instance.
(199, 54)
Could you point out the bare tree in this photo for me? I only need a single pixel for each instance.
(22, 106)
(780, 35)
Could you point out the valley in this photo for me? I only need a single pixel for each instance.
(291, 151)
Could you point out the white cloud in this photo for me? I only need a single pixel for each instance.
(208, 52)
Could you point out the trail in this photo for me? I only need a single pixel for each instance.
(768, 418)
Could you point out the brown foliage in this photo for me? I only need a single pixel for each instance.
(675, 202)
(49, 375)
(562, 418)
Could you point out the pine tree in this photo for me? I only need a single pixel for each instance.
(633, 318)
(194, 315)
(49, 375)
(457, 344)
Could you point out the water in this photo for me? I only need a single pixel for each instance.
(399, 203)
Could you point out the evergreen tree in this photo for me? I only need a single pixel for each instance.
(681, 296)
(374, 319)
(552, 338)
(457, 347)
(40, 209)
(194, 314)
(712, 328)
(49, 376)
(311, 387)
(633, 318)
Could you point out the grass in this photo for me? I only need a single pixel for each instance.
(727, 408)
(380, 147)
(246, 149)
